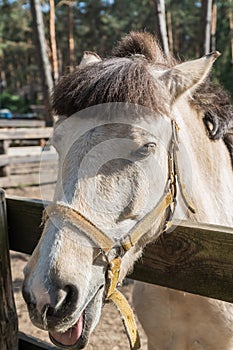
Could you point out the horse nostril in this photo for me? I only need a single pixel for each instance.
(47, 311)
(65, 301)
(71, 295)
(56, 304)
(26, 295)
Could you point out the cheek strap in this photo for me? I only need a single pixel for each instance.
(162, 212)
(127, 317)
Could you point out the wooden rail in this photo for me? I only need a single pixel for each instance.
(9, 135)
(25, 133)
(11, 159)
(8, 316)
(21, 123)
(26, 342)
(25, 167)
(192, 258)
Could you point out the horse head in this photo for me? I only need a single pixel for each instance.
(116, 187)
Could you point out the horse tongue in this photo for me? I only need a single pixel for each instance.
(71, 336)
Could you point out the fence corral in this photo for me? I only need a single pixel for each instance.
(193, 258)
(8, 316)
(15, 160)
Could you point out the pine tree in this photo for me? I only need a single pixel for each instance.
(161, 25)
(53, 40)
(44, 64)
(206, 19)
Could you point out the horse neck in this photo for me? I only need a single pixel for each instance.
(210, 187)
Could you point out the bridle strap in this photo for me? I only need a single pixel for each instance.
(127, 316)
(112, 275)
(147, 222)
(165, 208)
(98, 237)
(183, 193)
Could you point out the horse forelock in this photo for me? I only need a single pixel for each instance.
(125, 77)
(145, 44)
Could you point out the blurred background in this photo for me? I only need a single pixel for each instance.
(43, 40)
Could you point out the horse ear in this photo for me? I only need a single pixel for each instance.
(89, 58)
(188, 75)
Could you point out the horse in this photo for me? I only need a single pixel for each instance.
(130, 135)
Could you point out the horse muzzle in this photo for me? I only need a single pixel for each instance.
(69, 326)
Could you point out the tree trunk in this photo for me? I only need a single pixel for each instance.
(161, 25)
(231, 28)
(206, 14)
(213, 27)
(70, 38)
(169, 26)
(53, 40)
(71, 56)
(8, 315)
(43, 61)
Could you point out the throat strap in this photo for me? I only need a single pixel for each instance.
(121, 303)
(147, 222)
(127, 317)
(106, 244)
(161, 213)
(82, 223)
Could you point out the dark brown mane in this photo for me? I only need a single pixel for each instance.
(122, 78)
(138, 43)
(125, 78)
(215, 102)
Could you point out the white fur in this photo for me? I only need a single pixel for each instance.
(174, 320)
(103, 177)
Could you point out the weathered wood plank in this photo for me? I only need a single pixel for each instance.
(23, 180)
(30, 343)
(9, 159)
(8, 315)
(4, 160)
(21, 123)
(193, 258)
(25, 133)
(24, 223)
(4, 144)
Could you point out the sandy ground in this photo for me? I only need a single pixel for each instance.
(109, 334)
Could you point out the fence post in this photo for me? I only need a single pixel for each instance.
(8, 315)
(4, 145)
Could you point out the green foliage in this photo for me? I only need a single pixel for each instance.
(16, 48)
(98, 25)
(14, 103)
(224, 66)
(186, 20)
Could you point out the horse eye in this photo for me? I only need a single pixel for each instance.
(150, 146)
(146, 149)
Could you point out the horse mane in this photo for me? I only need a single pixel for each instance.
(215, 104)
(124, 77)
(143, 43)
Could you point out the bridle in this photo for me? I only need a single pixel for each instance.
(113, 251)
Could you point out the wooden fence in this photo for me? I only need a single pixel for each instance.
(21, 123)
(192, 258)
(22, 131)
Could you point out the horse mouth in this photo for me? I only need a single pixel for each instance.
(76, 336)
